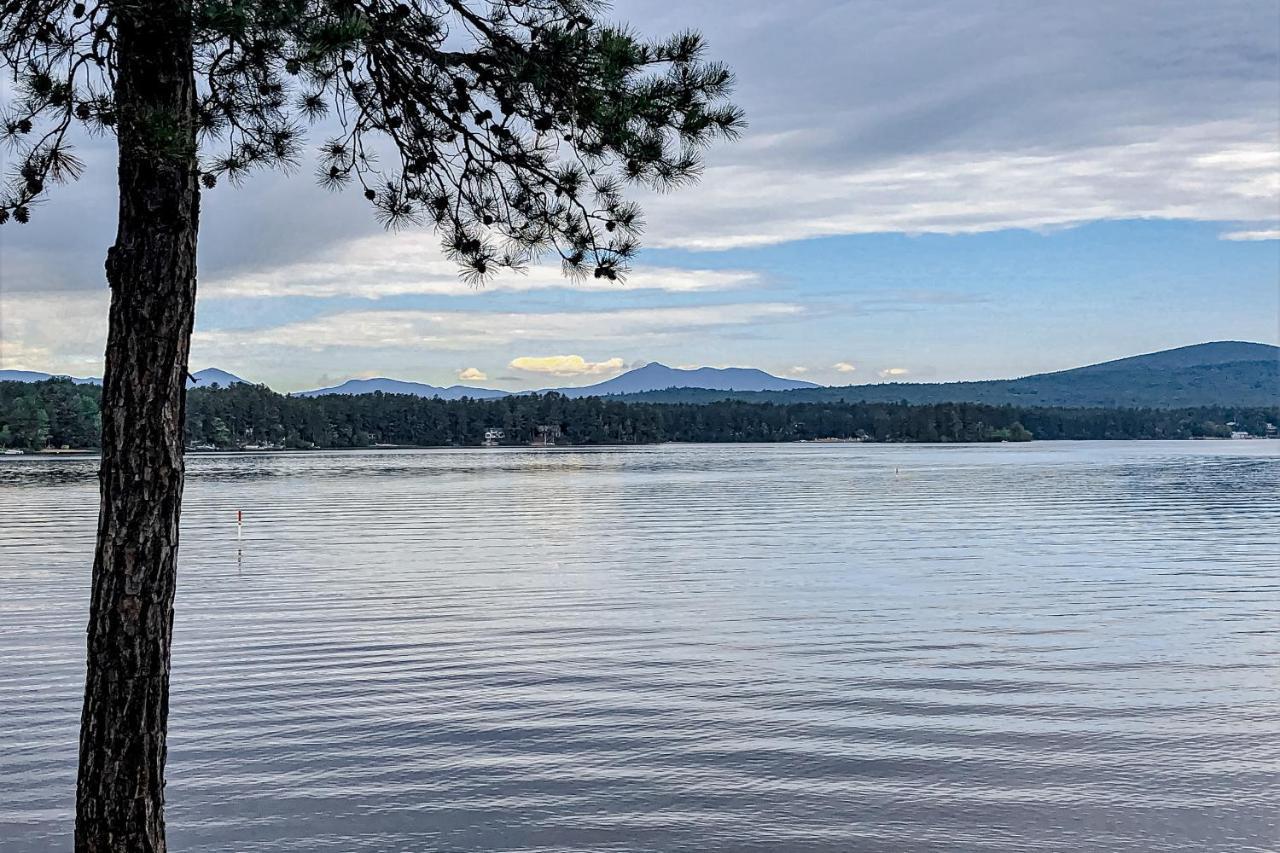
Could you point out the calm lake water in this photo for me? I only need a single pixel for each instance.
(1057, 647)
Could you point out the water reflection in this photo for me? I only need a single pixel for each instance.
(809, 648)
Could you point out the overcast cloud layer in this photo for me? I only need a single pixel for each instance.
(866, 118)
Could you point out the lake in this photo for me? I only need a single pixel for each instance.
(1048, 646)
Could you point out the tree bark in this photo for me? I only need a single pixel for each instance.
(152, 273)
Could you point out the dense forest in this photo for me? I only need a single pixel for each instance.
(57, 413)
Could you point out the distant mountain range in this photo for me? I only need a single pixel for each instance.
(204, 378)
(1232, 373)
(399, 386)
(652, 377)
(1229, 373)
(37, 376)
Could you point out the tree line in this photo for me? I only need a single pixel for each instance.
(58, 413)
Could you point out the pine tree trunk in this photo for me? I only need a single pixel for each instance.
(152, 273)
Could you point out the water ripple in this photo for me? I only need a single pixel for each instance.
(1058, 647)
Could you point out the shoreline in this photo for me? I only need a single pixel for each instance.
(75, 452)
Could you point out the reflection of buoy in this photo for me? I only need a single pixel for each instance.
(239, 526)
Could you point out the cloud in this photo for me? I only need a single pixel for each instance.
(15, 355)
(981, 116)
(961, 119)
(472, 374)
(59, 332)
(418, 330)
(411, 263)
(1222, 171)
(1265, 234)
(843, 367)
(567, 365)
(798, 370)
(893, 372)
(65, 332)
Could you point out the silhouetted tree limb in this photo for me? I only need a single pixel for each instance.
(512, 128)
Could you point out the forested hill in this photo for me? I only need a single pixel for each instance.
(1222, 373)
(57, 413)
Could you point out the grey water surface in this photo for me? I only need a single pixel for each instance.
(1050, 647)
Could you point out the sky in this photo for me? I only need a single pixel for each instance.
(927, 191)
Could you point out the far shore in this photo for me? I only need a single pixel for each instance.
(206, 451)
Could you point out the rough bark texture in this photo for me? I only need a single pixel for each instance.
(152, 273)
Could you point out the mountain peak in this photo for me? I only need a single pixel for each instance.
(214, 376)
(656, 376)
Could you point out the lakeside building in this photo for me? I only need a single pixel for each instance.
(548, 435)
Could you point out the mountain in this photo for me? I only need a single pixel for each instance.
(398, 386)
(203, 378)
(214, 376)
(1220, 373)
(657, 377)
(37, 376)
(651, 377)
(1196, 355)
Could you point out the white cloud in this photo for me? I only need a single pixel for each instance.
(1228, 171)
(412, 263)
(893, 372)
(843, 367)
(798, 370)
(472, 374)
(983, 115)
(15, 355)
(567, 365)
(1263, 234)
(57, 332)
(417, 330)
